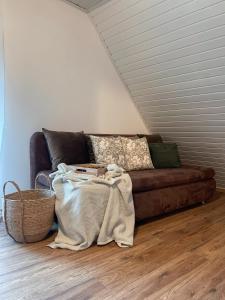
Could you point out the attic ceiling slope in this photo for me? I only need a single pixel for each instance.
(171, 56)
(88, 5)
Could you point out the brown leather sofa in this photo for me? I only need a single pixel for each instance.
(155, 191)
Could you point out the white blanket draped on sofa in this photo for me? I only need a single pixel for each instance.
(93, 209)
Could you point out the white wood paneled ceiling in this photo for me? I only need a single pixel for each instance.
(171, 56)
(88, 5)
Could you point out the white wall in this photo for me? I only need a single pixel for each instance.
(1, 93)
(1, 79)
(171, 55)
(58, 76)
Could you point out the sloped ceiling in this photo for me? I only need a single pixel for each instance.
(171, 56)
(88, 5)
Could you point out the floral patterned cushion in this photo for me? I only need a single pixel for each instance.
(137, 155)
(108, 150)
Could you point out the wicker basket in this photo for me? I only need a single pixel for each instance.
(28, 214)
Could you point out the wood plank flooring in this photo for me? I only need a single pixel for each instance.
(179, 257)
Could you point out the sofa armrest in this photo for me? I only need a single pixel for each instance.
(39, 156)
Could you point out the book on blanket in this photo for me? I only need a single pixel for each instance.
(91, 169)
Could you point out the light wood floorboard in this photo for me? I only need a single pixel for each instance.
(178, 257)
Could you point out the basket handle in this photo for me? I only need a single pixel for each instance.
(16, 187)
(22, 207)
(44, 175)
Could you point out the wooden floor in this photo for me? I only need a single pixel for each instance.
(178, 257)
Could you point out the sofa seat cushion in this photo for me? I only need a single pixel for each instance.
(145, 180)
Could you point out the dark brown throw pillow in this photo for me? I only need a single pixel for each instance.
(90, 148)
(66, 147)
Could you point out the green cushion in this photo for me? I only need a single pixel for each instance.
(164, 155)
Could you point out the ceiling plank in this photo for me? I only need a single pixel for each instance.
(88, 5)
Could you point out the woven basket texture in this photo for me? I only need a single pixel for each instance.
(28, 214)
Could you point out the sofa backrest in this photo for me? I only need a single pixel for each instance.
(39, 155)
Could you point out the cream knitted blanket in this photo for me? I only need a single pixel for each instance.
(93, 209)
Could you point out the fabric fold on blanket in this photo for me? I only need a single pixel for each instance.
(93, 209)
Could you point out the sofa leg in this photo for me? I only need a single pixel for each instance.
(203, 202)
